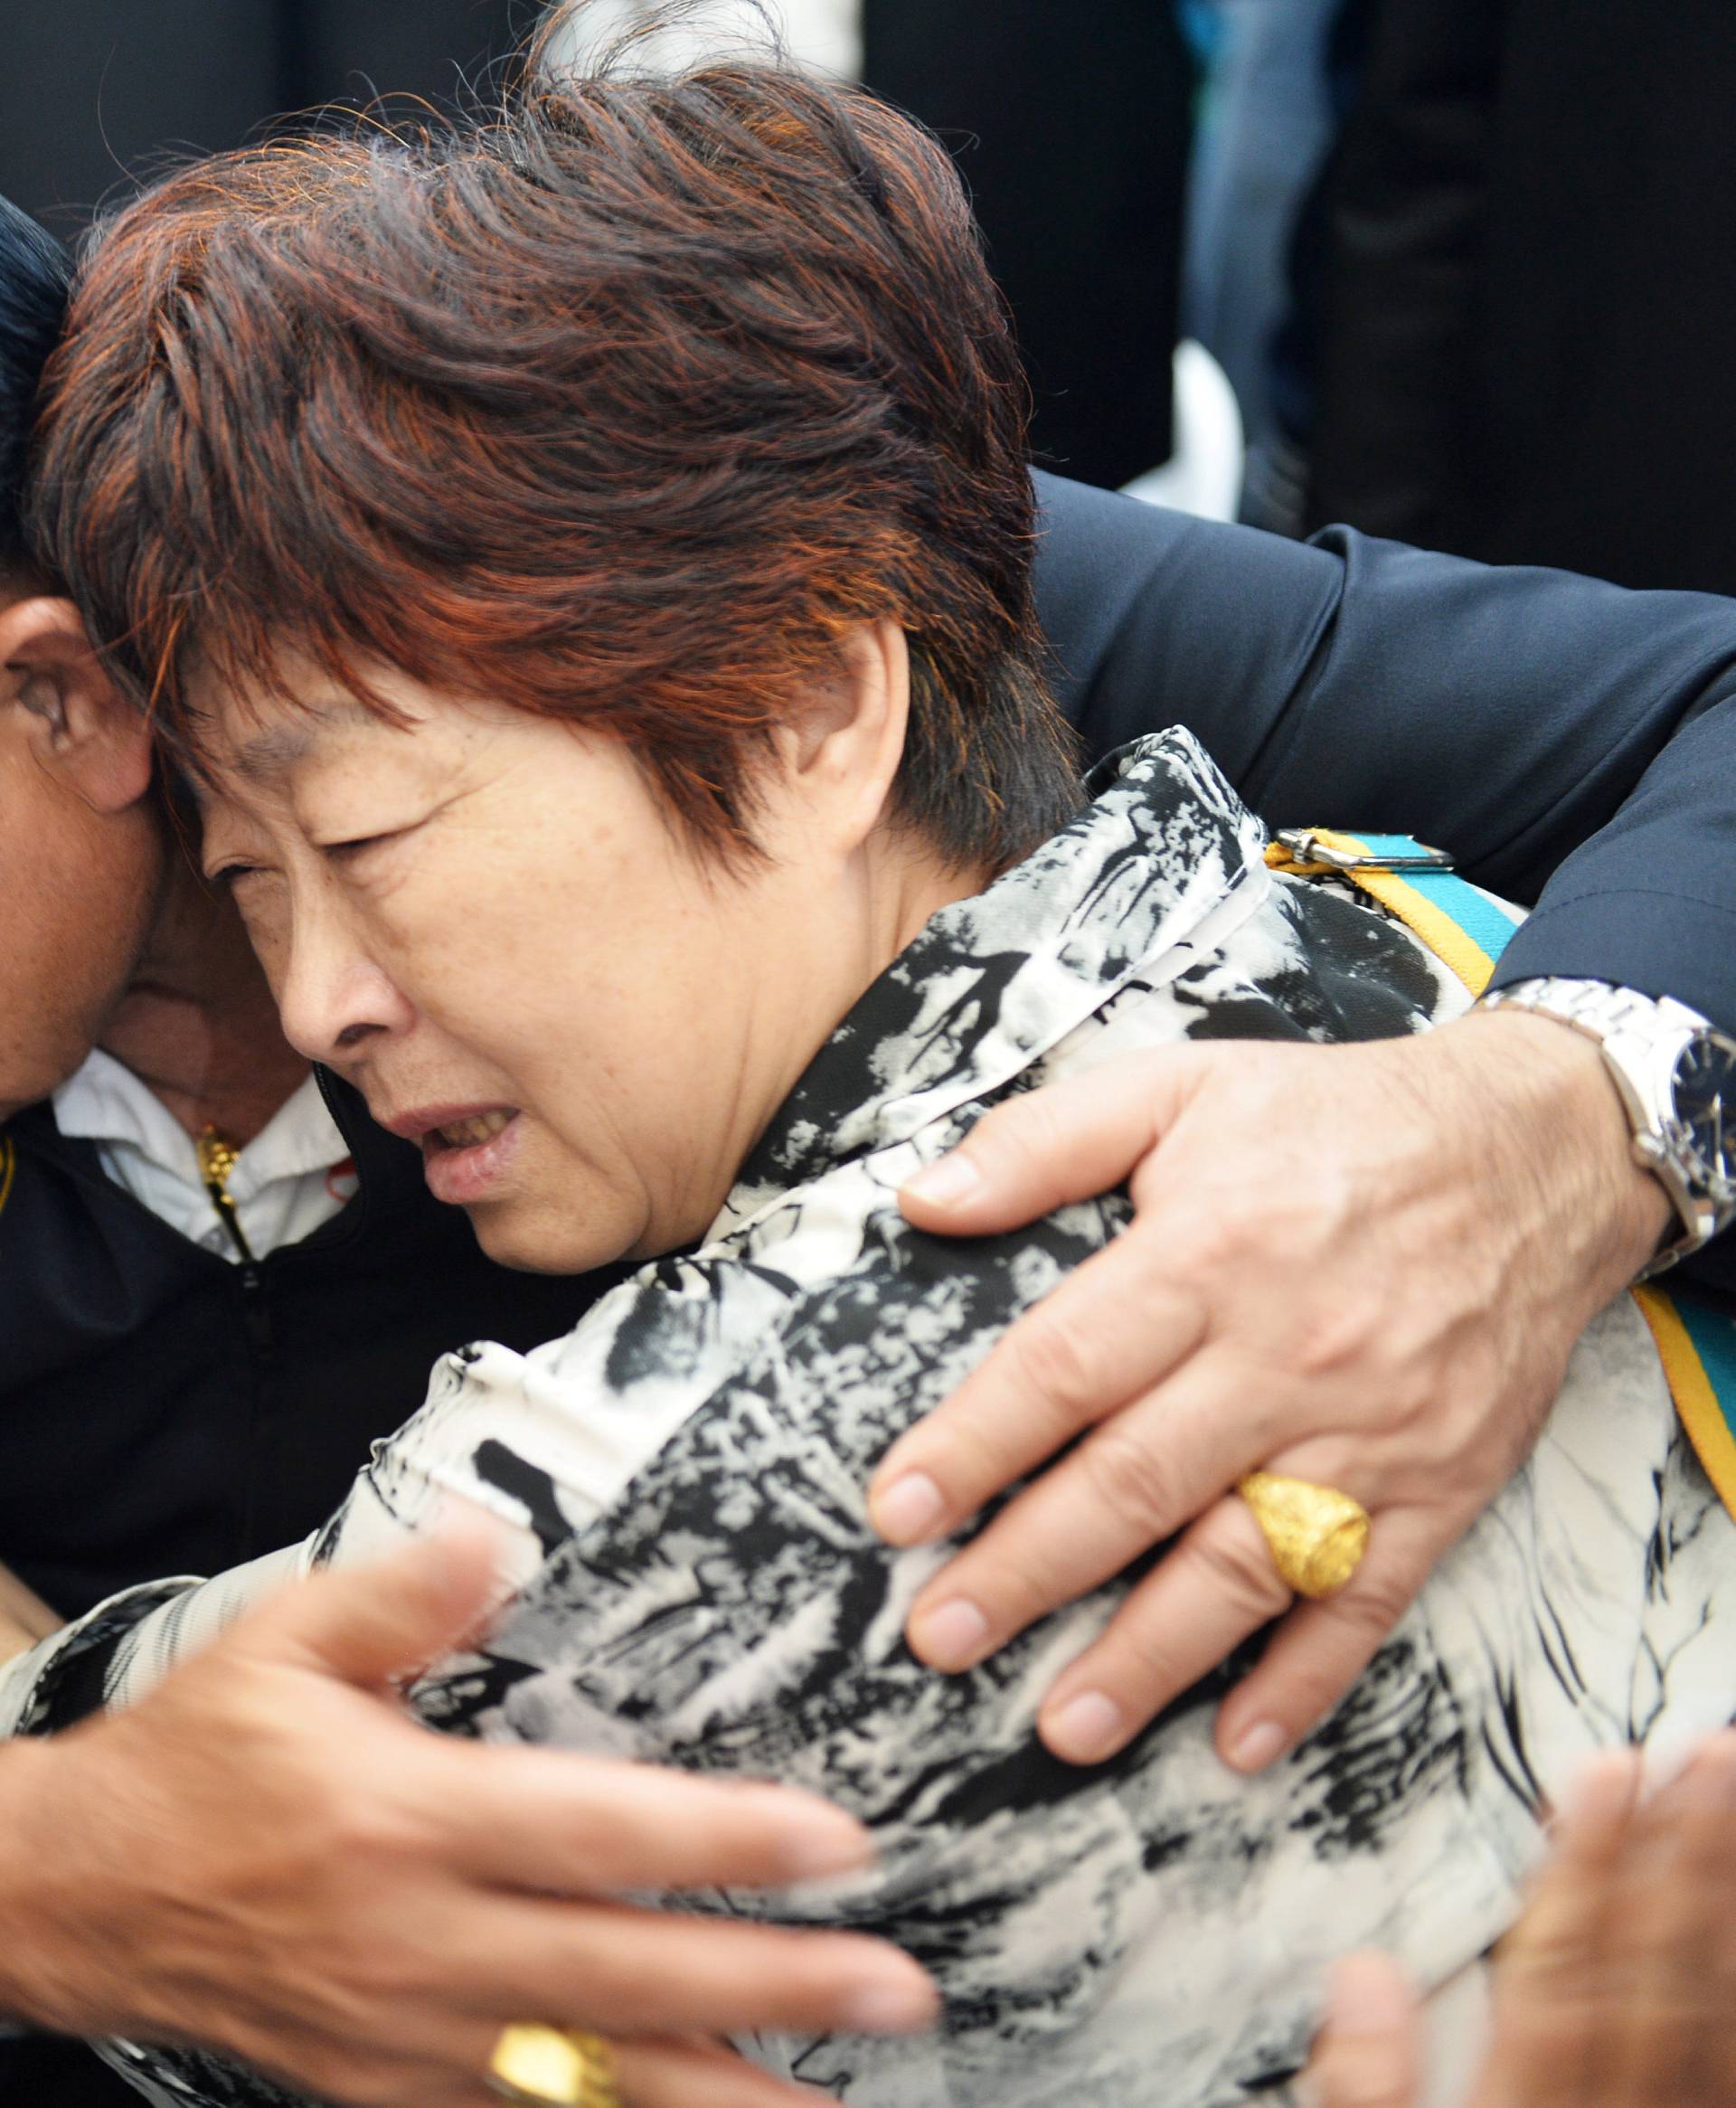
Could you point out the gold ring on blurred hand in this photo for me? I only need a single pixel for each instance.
(561, 2064)
(1316, 1535)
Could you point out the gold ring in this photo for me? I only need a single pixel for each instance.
(1316, 1535)
(531, 2062)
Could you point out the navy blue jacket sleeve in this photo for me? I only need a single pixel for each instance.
(1573, 744)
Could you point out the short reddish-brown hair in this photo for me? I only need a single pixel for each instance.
(618, 407)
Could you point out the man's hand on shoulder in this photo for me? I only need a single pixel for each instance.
(267, 1857)
(1360, 1265)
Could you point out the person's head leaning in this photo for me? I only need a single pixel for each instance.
(81, 852)
(587, 559)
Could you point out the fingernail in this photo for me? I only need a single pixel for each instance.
(895, 2005)
(1087, 1729)
(1368, 1996)
(825, 1842)
(1259, 1746)
(945, 1183)
(951, 1636)
(1603, 1788)
(909, 1508)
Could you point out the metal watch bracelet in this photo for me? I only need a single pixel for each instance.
(1628, 1028)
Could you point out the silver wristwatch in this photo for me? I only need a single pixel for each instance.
(1677, 1079)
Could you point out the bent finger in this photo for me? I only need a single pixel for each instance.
(1369, 2054)
(372, 1623)
(1073, 1359)
(1069, 1141)
(1571, 1892)
(1552, 2011)
(451, 2067)
(547, 1818)
(1314, 1657)
(1666, 1932)
(1216, 1588)
(1128, 1487)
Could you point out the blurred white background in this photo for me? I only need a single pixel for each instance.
(825, 33)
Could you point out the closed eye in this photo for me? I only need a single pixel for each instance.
(353, 848)
(358, 844)
(228, 876)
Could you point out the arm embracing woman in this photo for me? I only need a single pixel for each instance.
(613, 693)
(260, 1855)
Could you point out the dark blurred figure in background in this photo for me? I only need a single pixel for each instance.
(1071, 126)
(1287, 76)
(94, 89)
(1525, 345)
(1265, 124)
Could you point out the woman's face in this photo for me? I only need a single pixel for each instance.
(484, 921)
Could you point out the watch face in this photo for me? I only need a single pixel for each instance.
(1703, 1088)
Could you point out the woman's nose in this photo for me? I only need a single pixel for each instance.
(334, 999)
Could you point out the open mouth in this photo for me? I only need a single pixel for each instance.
(466, 1134)
(463, 1158)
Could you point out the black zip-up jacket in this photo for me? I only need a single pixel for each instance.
(165, 1409)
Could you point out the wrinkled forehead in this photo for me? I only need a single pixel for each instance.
(265, 752)
(255, 737)
(252, 755)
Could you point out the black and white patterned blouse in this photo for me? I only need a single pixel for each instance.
(692, 1460)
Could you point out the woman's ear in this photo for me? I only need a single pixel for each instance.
(843, 749)
(75, 723)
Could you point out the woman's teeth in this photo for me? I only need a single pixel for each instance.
(481, 1127)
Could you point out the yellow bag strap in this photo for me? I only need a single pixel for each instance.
(1696, 1343)
(1465, 929)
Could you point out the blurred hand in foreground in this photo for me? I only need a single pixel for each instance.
(1615, 1988)
(266, 1856)
(1362, 1266)
(24, 1617)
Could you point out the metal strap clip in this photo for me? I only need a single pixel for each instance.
(1305, 847)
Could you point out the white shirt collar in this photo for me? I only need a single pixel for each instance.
(292, 1176)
